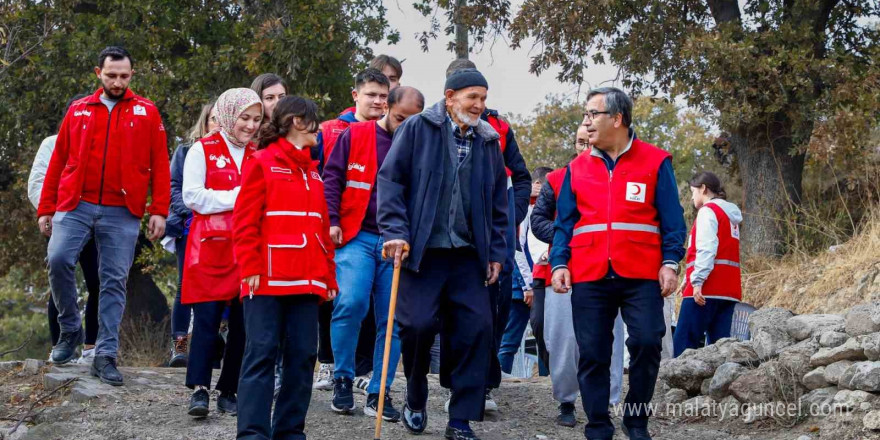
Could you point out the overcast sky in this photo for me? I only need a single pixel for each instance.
(512, 89)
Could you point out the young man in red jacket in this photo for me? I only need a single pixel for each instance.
(364, 277)
(111, 150)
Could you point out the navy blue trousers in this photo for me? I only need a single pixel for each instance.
(203, 347)
(594, 307)
(269, 320)
(447, 296)
(702, 324)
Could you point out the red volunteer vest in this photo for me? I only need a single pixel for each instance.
(554, 178)
(618, 223)
(502, 128)
(725, 279)
(330, 131)
(359, 179)
(210, 272)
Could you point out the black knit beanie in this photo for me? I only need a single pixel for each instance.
(464, 78)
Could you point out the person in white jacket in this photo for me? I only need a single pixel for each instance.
(713, 283)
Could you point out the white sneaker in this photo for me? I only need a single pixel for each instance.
(324, 380)
(446, 405)
(87, 358)
(362, 382)
(490, 404)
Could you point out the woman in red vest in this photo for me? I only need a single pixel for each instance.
(713, 285)
(211, 279)
(283, 247)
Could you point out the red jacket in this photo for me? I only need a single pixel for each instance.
(210, 272)
(360, 178)
(502, 128)
(134, 131)
(618, 221)
(725, 279)
(281, 226)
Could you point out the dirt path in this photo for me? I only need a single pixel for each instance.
(152, 406)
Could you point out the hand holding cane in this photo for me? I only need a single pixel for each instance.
(389, 331)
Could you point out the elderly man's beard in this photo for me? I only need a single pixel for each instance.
(464, 117)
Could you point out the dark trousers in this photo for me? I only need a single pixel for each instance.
(594, 307)
(269, 320)
(536, 320)
(698, 324)
(88, 262)
(500, 298)
(180, 313)
(202, 350)
(448, 295)
(325, 347)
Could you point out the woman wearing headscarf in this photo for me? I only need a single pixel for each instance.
(282, 244)
(211, 182)
(177, 229)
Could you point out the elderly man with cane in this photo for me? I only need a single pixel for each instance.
(443, 192)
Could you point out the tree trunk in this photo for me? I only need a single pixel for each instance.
(461, 31)
(771, 174)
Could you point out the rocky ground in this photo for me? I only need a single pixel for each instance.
(152, 405)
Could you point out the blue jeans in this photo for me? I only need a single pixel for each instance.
(115, 231)
(362, 274)
(698, 324)
(180, 313)
(517, 321)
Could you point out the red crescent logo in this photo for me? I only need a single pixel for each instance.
(638, 190)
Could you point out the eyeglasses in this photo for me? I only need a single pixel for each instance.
(590, 115)
(581, 145)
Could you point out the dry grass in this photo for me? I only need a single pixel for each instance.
(830, 282)
(143, 342)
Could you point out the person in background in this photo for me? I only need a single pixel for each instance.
(283, 247)
(88, 258)
(270, 88)
(211, 282)
(371, 97)
(535, 250)
(621, 228)
(713, 280)
(177, 231)
(390, 67)
(111, 151)
(520, 308)
(364, 276)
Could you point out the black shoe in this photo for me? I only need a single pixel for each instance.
(460, 434)
(343, 399)
(104, 368)
(566, 415)
(198, 403)
(415, 421)
(371, 408)
(179, 353)
(65, 350)
(227, 403)
(636, 433)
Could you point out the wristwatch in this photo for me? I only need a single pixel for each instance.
(674, 266)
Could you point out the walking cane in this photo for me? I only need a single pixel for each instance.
(389, 330)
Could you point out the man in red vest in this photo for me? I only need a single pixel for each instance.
(363, 276)
(110, 152)
(619, 237)
(370, 95)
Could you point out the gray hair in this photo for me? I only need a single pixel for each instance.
(616, 102)
(458, 64)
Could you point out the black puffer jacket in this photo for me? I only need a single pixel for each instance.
(544, 214)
